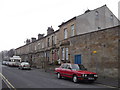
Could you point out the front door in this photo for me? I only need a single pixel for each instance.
(77, 59)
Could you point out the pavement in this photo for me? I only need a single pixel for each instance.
(108, 81)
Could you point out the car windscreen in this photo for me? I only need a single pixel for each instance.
(78, 67)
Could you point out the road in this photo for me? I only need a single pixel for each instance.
(37, 78)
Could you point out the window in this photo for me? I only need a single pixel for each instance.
(64, 66)
(48, 42)
(72, 30)
(48, 54)
(65, 33)
(52, 40)
(111, 17)
(39, 46)
(63, 53)
(99, 27)
(55, 39)
(42, 44)
(97, 13)
(66, 53)
(35, 48)
(68, 67)
(78, 67)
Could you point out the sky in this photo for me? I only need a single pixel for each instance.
(23, 19)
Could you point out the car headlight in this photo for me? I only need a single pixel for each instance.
(96, 75)
(84, 75)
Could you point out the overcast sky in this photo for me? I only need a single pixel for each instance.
(22, 19)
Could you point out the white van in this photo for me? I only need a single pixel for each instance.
(15, 61)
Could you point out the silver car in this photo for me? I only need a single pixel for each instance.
(11, 64)
(3, 62)
(24, 65)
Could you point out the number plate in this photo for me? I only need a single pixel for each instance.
(91, 78)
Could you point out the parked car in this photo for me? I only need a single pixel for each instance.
(17, 64)
(11, 64)
(7, 63)
(14, 64)
(3, 62)
(76, 72)
(24, 65)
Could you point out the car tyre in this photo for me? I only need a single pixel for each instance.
(75, 79)
(59, 76)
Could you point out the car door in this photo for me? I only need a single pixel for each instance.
(63, 70)
(68, 71)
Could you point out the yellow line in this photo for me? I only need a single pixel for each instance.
(3, 77)
(6, 83)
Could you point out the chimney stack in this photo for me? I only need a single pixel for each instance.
(27, 41)
(33, 39)
(40, 36)
(50, 30)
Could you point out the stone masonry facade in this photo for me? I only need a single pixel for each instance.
(97, 49)
(105, 43)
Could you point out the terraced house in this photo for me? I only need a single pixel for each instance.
(90, 39)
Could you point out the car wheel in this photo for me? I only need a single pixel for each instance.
(59, 76)
(75, 79)
(21, 68)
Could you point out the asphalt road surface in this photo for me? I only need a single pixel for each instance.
(36, 78)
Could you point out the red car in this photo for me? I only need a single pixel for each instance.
(76, 72)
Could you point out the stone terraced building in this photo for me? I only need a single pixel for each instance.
(90, 39)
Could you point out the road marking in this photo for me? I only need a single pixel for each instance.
(7, 82)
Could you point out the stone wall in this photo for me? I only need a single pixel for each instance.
(105, 43)
(95, 20)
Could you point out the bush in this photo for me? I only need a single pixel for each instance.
(56, 62)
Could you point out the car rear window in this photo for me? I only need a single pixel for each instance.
(24, 63)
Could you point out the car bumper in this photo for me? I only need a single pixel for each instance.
(26, 68)
(88, 78)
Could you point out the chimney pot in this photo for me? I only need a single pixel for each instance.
(33, 39)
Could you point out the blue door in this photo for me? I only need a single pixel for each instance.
(77, 59)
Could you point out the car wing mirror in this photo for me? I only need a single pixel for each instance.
(70, 68)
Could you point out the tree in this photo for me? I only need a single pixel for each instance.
(11, 52)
